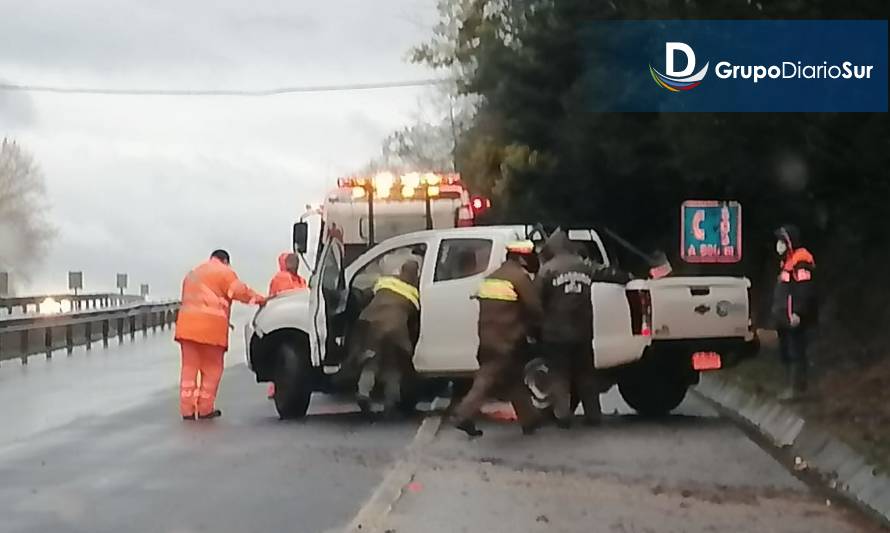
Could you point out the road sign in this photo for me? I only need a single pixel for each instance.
(4, 283)
(122, 281)
(75, 281)
(711, 231)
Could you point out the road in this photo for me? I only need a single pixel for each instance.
(93, 443)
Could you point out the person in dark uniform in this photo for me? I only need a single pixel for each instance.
(509, 307)
(794, 308)
(564, 284)
(385, 337)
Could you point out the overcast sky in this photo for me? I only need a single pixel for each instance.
(150, 185)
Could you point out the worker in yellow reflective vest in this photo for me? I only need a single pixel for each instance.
(509, 307)
(382, 343)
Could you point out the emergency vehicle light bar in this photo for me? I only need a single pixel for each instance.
(409, 186)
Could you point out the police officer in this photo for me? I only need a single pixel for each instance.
(567, 327)
(794, 308)
(386, 335)
(509, 307)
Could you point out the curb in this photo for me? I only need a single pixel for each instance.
(842, 469)
(374, 512)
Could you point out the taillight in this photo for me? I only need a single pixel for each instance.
(640, 302)
(480, 204)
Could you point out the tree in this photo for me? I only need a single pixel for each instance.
(24, 231)
(535, 147)
(430, 143)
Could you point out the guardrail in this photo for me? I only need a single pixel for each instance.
(22, 337)
(76, 302)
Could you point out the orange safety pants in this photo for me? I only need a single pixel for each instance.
(202, 360)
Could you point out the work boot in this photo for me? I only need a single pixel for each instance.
(564, 423)
(787, 394)
(364, 405)
(216, 413)
(469, 427)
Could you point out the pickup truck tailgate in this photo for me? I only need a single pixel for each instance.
(699, 307)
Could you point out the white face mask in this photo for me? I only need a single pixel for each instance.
(781, 247)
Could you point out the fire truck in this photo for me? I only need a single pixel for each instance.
(366, 210)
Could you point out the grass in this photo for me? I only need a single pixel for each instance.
(850, 402)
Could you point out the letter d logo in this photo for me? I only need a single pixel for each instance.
(682, 80)
(670, 53)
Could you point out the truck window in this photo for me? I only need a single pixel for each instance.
(330, 271)
(462, 258)
(387, 264)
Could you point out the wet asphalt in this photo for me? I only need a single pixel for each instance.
(93, 443)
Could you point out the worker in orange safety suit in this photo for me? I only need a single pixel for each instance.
(202, 331)
(287, 279)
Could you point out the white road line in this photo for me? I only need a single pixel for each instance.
(371, 516)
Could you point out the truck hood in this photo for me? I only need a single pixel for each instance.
(288, 310)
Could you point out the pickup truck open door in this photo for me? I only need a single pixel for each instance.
(326, 297)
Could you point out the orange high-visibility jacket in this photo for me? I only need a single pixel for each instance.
(207, 294)
(284, 280)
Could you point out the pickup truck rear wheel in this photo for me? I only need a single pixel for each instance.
(652, 395)
(292, 390)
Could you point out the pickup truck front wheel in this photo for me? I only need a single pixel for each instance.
(292, 390)
(652, 395)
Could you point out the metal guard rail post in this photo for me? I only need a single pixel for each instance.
(22, 337)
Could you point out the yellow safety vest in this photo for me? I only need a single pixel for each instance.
(406, 290)
(497, 289)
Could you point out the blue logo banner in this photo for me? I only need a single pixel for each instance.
(736, 65)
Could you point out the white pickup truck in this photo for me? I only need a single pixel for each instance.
(652, 337)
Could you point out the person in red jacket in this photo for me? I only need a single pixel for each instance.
(202, 331)
(287, 279)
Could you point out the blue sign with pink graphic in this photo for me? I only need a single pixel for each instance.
(711, 231)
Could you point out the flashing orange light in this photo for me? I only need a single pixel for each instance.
(432, 179)
(383, 184)
(408, 186)
(412, 180)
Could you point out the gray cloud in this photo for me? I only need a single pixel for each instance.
(16, 111)
(114, 39)
(149, 185)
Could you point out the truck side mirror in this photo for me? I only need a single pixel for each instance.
(301, 237)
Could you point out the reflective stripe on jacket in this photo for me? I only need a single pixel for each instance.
(207, 294)
(497, 289)
(794, 293)
(405, 290)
